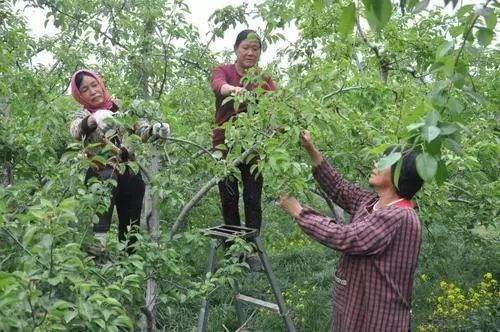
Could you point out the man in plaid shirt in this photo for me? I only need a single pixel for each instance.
(380, 244)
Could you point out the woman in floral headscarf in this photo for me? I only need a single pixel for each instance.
(93, 125)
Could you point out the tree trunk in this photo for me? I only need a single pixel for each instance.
(150, 221)
(151, 212)
(5, 169)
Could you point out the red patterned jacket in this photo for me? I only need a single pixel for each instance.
(374, 277)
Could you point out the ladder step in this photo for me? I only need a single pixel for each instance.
(261, 303)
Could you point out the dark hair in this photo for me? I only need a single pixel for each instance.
(79, 78)
(409, 182)
(243, 35)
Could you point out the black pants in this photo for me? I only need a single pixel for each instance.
(252, 191)
(127, 196)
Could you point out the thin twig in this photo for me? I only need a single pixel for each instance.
(341, 89)
(459, 200)
(461, 189)
(383, 65)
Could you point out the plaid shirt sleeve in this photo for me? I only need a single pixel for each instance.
(346, 195)
(369, 236)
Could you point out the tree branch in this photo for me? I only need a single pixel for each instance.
(196, 65)
(211, 183)
(85, 23)
(180, 219)
(466, 36)
(383, 65)
(336, 92)
(180, 140)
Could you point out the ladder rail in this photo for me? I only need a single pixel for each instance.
(219, 235)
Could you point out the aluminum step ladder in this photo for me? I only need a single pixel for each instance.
(223, 233)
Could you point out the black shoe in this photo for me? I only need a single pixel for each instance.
(254, 263)
(95, 251)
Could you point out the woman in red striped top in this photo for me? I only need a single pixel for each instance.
(380, 244)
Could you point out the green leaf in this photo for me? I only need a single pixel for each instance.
(458, 80)
(28, 236)
(112, 301)
(123, 321)
(446, 2)
(455, 106)
(58, 279)
(252, 36)
(484, 36)
(383, 11)
(134, 166)
(227, 100)
(70, 315)
(99, 160)
(484, 11)
(101, 323)
(347, 20)
(426, 166)
(445, 48)
(371, 17)
(447, 128)
(377, 13)
(449, 64)
(434, 147)
(442, 173)
(60, 305)
(106, 314)
(452, 145)
(464, 10)
(430, 133)
(236, 105)
(491, 21)
(411, 4)
(397, 172)
(6, 279)
(414, 126)
(422, 5)
(388, 160)
(456, 31)
(319, 4)
(432, 118)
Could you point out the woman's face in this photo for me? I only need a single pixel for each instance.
(248, 53)
(380, 180)
(91, 91)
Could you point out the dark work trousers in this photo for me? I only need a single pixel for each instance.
(252, 191)
(127, 196)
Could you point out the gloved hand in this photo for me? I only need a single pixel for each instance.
(100, 116)
(124, 154)
(160, 130)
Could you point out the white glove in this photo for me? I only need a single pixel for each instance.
(100, 117)
(160, 130)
